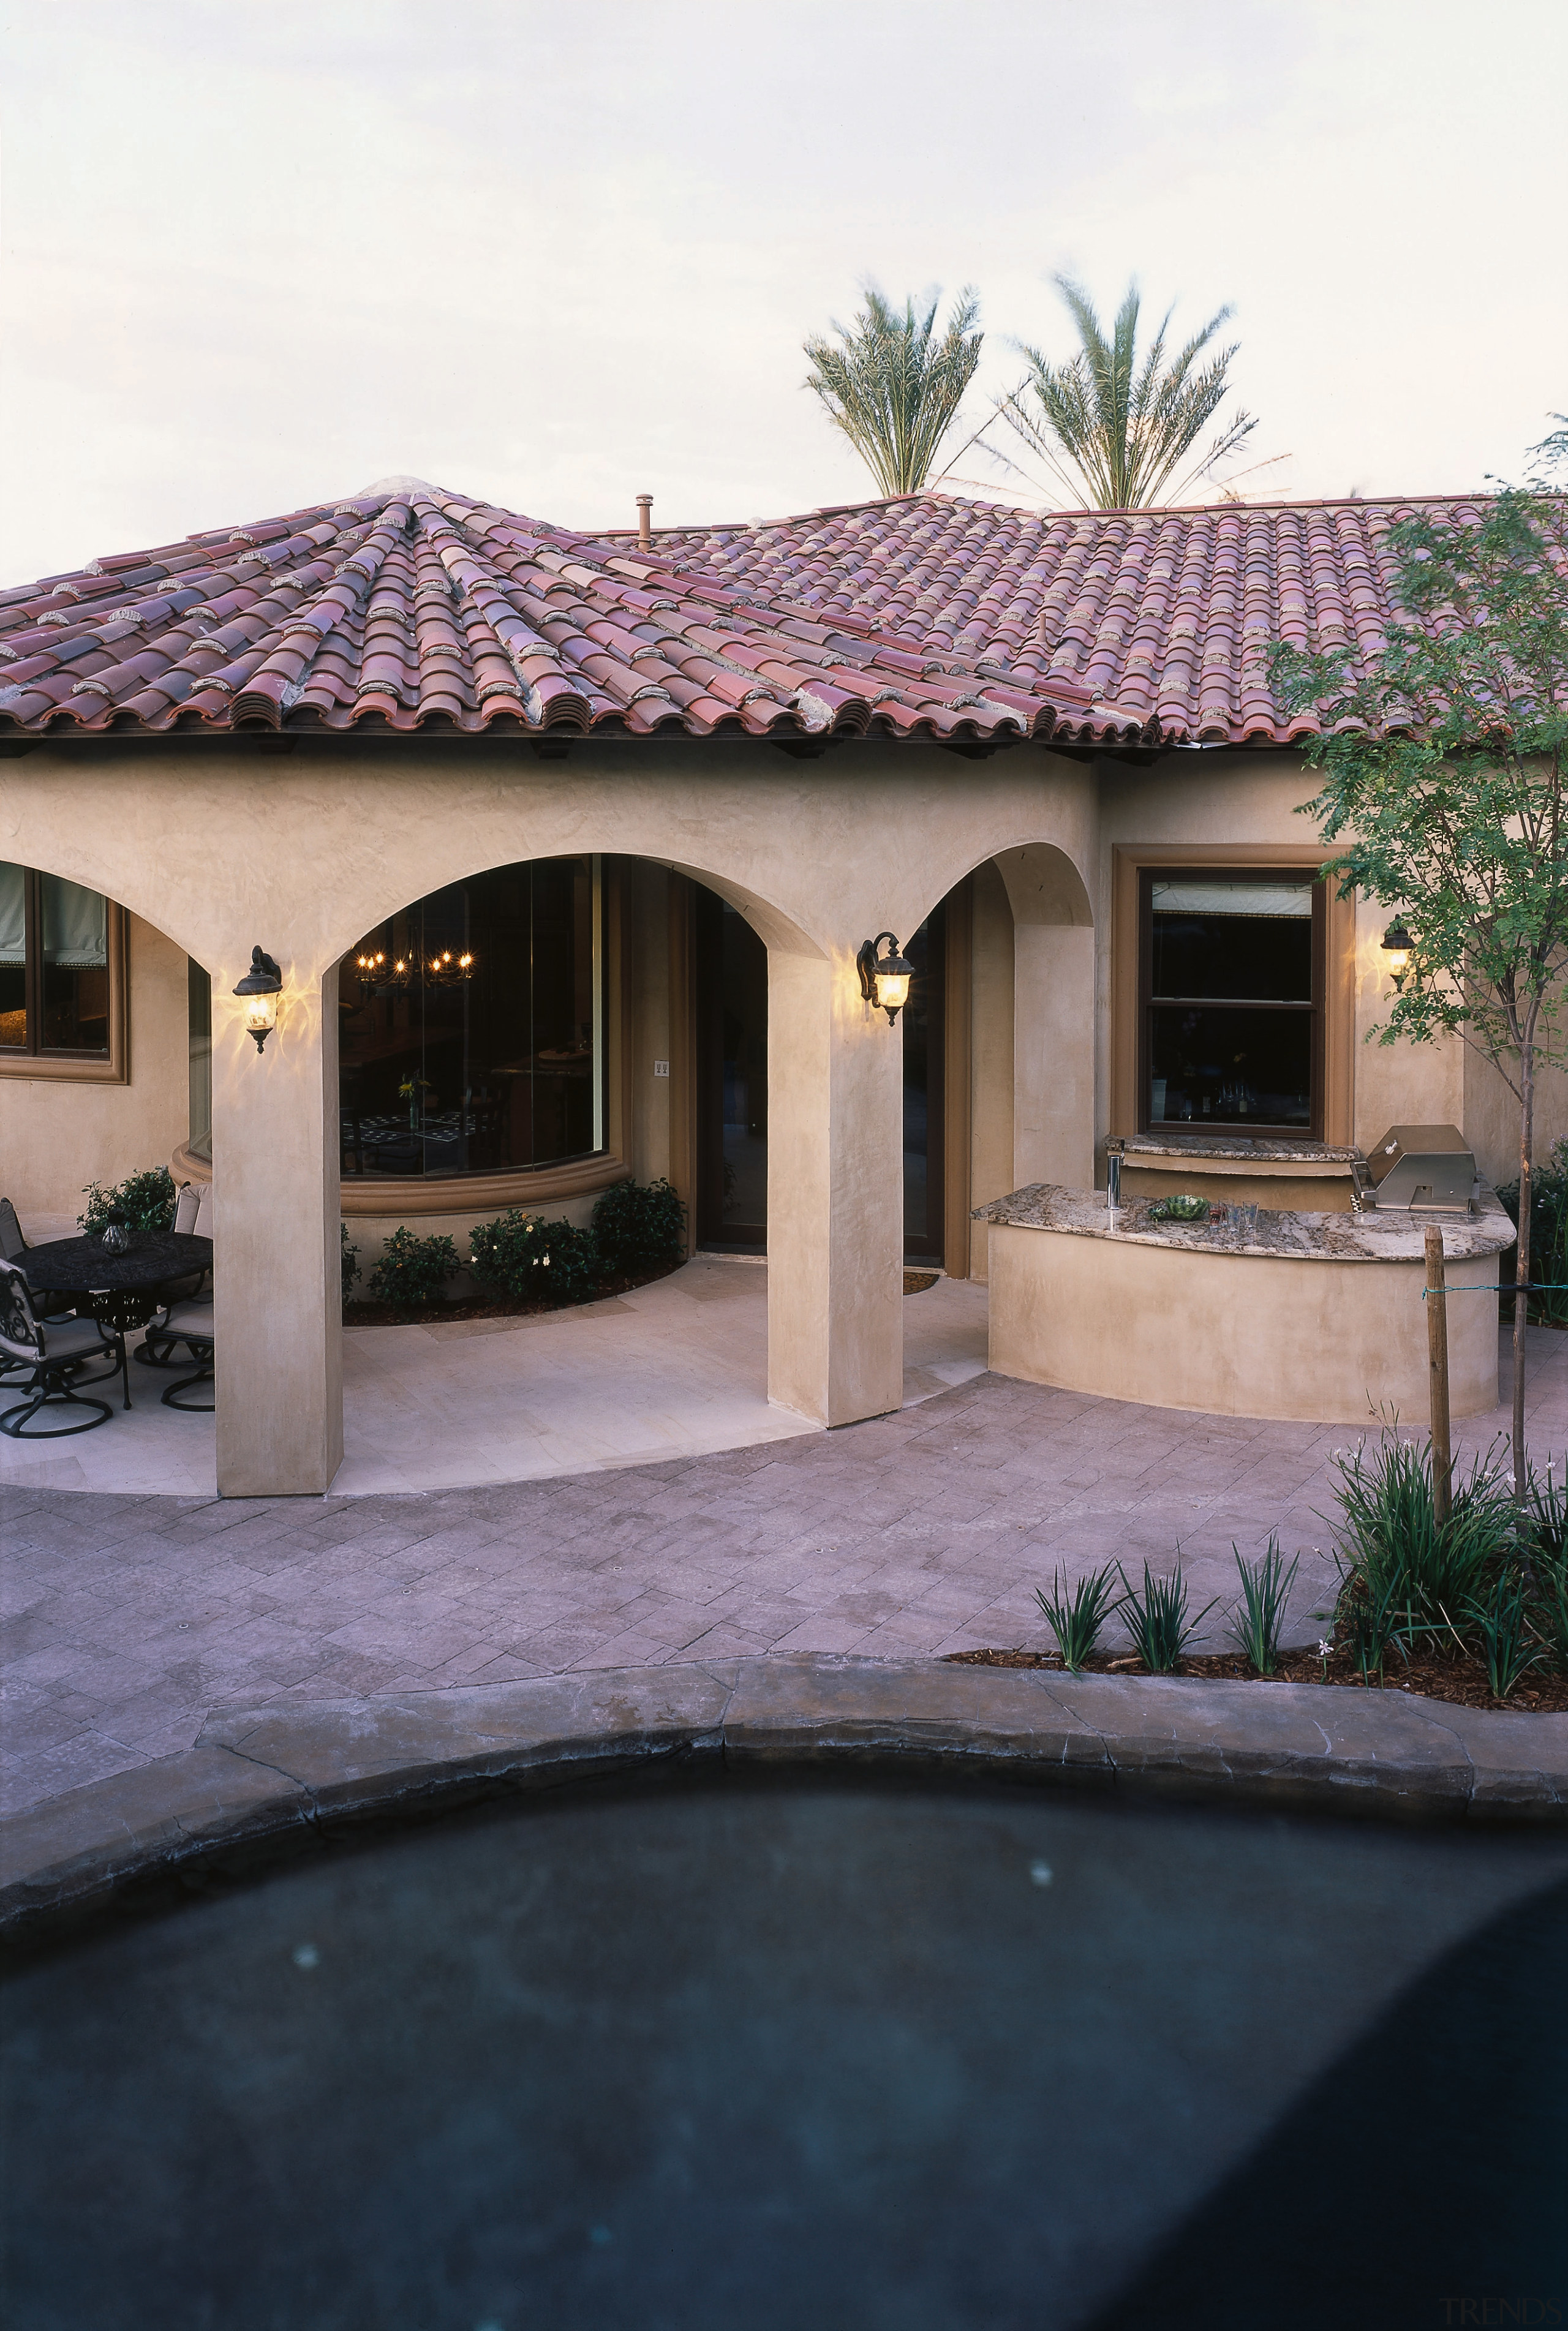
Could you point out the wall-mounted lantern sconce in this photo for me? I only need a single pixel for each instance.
(884, 978)
(1397, 944)
(260, 987)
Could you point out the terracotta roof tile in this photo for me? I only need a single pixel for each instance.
(924, 616)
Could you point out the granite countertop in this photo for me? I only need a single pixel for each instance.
(1260, 1151)
(1297, 1236)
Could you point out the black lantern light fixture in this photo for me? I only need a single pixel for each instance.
(1396, 945)
(260, 988)
(884, 978)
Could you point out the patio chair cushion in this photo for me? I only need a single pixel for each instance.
(12, 1245)
(195, 1319)
(205, 1205)
(64, 1337)
(187, 1204)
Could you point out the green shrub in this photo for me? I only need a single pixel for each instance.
(350, 1262)
(638, 1227)
(1548, 1235)
(413, 1270)
(146, 1200)
(533, 1261)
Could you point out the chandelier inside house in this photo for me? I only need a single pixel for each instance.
(394, 975)
(381, 975)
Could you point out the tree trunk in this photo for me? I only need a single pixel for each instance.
(1522, 1268)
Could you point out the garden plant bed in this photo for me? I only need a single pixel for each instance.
(490, 1306)
(1460, 1680)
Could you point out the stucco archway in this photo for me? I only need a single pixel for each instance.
(302, 851)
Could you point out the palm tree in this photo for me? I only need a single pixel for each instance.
(892, 388)
(1122, 425)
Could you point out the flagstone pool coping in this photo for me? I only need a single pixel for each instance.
(260, 1778)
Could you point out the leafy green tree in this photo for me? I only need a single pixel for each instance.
(893, 387)
(1443, 762)
(1121, 424)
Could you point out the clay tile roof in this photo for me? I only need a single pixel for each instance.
(411, 608)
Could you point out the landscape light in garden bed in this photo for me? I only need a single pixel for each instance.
(1396, 945)
(260, 988)
(884, 978)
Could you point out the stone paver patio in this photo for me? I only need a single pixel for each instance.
(127, 1620)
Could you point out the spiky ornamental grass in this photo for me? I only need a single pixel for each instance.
(1510, 1647)
(893, 387)
(1255, 1624)
(1157, 1620)
(1076, 1619)
(1420, 1576)
(1445, 764)
(1122, 425)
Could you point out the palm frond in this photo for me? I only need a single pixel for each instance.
(1123, 424)
(892, 387)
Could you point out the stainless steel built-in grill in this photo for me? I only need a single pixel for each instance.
(1418, 1169)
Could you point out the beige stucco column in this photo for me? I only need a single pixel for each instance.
(278, 1315)
(1053, 1018)
(835, 1196)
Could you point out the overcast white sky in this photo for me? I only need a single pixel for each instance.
(554, 252)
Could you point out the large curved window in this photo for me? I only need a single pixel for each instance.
(472, 1027)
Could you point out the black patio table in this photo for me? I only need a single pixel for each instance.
(122, 1292)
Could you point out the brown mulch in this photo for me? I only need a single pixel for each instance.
(487, 1307)
(1460, 1680)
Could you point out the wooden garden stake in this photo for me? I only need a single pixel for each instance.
(1438, 1370)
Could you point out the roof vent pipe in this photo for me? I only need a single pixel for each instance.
(645, 521)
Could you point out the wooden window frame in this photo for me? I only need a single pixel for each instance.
(1336, 1062)
(1313, 1009)
(111, 1067)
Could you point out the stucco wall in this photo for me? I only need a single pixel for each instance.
(1492, 1116)
(56, 1136)
(645, 935)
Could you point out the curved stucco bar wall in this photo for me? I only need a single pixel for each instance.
(1319, 1318)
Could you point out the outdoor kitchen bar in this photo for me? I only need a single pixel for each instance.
(1311, 1315)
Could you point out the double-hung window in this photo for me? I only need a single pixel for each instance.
(59, 975)
(1232, 989)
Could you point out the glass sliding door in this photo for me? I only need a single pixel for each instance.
(923, 1024)
(731, 1078)
(731, 995)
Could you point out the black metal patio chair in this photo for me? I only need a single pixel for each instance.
(187, 1322)
(44, 1358)
(13, 1248)
(192, 1215)
(190, 1324)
